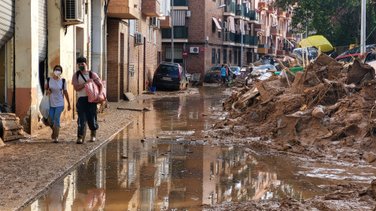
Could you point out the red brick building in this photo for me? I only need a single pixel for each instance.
(209, 33)
(213, 32)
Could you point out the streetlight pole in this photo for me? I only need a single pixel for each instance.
(172, 31)
(241, 43)
(363, 27)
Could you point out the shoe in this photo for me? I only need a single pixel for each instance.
(56, 140)
(93, 134)
(80, 141)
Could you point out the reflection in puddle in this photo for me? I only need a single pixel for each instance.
(129, 174)
(136, 171)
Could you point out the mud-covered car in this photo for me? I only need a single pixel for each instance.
(170, 76)
(213, 75)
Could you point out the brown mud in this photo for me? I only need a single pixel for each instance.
(326, 113)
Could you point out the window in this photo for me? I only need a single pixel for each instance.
(178, 53)
(219, 56)
(213, 56)
(224, 55)
(132, 27)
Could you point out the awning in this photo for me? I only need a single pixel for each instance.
(317, 41)
(217, 25)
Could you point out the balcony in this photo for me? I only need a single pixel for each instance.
(252, 15)
(250, 40)
(180, 3)
(124, 9)
(262, 6)
(281, 52)
(180, 34)
(262, 49)
(257, 27)
(230, 9)
(239, 13)
(229, 38)
(151, 8)
(274, 31)
(166, 23)
(271, 51)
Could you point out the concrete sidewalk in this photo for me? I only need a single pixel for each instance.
(27, 168)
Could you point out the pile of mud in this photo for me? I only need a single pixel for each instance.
(327, 104)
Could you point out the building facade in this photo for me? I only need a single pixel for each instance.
(120, 38)
(134, 45)
(200, 34)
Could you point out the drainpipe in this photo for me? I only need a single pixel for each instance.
(14, 77)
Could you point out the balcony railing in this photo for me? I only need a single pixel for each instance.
(247, 39)
(230, 8)
(252, 15)
(239, 10)
(180, 32)
(179, 3)
(229, 37)
(250, 40)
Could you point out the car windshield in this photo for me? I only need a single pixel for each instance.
(167, 69)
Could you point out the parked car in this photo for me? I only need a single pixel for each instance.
(350, 55)
(170, 76)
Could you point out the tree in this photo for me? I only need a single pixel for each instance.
(338, 21)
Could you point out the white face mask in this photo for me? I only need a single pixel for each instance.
(57, 73)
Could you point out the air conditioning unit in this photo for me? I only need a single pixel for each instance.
(138, 39)
(194, 50)
(155, 22)
(188, 14)
(74, 12)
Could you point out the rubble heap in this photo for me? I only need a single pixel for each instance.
(10, 127)
(327, 102)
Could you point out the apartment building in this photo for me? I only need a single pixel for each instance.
(120, 38)
(237, 32)
(134, 44)
(273, 29)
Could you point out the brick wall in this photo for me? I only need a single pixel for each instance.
(113, 60)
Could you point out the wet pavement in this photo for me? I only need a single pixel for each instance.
(161, 162)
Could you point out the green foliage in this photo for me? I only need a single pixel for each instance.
(337, 20)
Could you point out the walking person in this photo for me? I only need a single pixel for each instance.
(87, 111)
(55, 87)
(223, 74)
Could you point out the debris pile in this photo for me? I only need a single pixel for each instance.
(327, 102)
(10, 127)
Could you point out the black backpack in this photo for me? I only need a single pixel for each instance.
(48, 83)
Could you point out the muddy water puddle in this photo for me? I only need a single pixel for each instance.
(149, 166)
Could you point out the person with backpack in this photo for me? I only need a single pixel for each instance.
(55, 87)
(87, 111)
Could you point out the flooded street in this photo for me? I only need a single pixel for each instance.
(152, 165)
